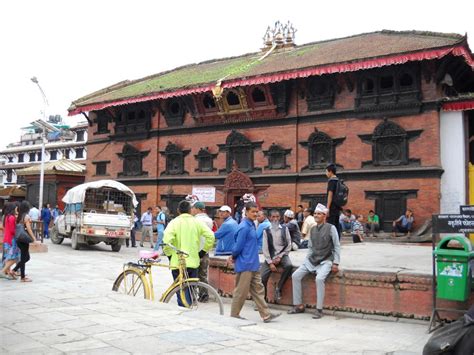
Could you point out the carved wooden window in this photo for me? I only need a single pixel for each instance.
(39, 156)
(390, 88)
(258, 96)
(240, 150)
(132, 161)
(276, 157)
(390, 144)
(133, 123)
(205, 160)
(174, 156)
(10, 159)
(320, 93)
(32, 156)
(321, 150)
(102, 124)
(232, 99)
(21, 158)
(9, 175)
(209, 103)
(53, 155)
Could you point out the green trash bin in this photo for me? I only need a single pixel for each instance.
(453, 272)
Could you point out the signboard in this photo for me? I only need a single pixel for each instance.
(467, 210)
(453, 223)
(205, 193)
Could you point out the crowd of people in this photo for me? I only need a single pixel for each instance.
(245, 231)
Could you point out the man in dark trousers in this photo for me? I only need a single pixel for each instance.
(247, 265)
(276, 247)
(334, 210)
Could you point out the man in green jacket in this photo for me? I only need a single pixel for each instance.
(184, 232)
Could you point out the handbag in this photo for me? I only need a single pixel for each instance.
(21, 235)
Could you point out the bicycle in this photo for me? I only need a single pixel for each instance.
(185, 290)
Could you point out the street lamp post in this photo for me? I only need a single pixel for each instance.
(43, 138)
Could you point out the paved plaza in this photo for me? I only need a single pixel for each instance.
(70, 308)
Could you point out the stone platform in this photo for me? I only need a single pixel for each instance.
(385, 279)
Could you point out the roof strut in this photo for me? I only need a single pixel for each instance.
(87, 118)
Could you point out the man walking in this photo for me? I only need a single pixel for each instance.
(198, 210)
(147, 226)
(276, 247)
(46, 219)
(333, 208)
(323, 257)
(247, 264)
(185, 232)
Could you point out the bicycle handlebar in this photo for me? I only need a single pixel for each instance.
(178, 251)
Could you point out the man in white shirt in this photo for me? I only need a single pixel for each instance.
(34, 213)
(308, 222)
(147, 229)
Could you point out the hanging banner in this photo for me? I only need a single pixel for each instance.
(205, 193)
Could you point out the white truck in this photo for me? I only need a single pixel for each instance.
(98, 211)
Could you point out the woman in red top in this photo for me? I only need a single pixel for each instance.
(11, 252)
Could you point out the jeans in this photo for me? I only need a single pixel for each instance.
(192, 273)
(159, 240)
(25, 256)
(346, 226)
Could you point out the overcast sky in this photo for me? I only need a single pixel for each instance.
(75, 47)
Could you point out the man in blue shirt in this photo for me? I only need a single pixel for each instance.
(46, 218)
(247, 265)
(225, 234)
(263, 223)
(160, 227)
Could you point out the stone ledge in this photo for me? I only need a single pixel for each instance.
(396, 294)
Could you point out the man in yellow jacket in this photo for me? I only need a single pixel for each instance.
(185, 232)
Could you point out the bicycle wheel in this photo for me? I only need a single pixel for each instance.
(191, 295)
(132, 282)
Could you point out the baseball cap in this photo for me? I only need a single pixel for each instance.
(225, 208)
(199, 205)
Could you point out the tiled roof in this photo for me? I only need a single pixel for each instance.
(62, 167)
(344, 50)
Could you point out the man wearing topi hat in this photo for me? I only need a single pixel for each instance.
(323, 257)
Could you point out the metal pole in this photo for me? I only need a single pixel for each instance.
(43, 143)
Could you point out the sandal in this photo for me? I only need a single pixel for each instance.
(296, 310)
(26, 279)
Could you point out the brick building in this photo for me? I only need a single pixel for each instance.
(392, 109)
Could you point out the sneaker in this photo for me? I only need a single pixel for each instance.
(318, 314)
(271, 317)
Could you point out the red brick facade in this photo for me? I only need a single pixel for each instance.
(285, 187)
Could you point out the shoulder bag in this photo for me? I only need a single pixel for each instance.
(21, 235)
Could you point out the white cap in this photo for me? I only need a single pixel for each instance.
(225, 208)
(289, 214)
(321, 208)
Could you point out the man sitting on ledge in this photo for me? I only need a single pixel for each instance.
(323, 257)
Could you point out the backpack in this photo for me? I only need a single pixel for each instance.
(341, 195)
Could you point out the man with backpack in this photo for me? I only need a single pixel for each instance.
(337, 197)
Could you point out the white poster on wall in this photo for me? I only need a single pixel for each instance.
(205, 193)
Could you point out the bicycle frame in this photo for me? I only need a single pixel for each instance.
(182, 278)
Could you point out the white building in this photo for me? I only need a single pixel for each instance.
(65, 143)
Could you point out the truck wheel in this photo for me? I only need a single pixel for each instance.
(55, 237)
(75, 240)
(116, 247)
